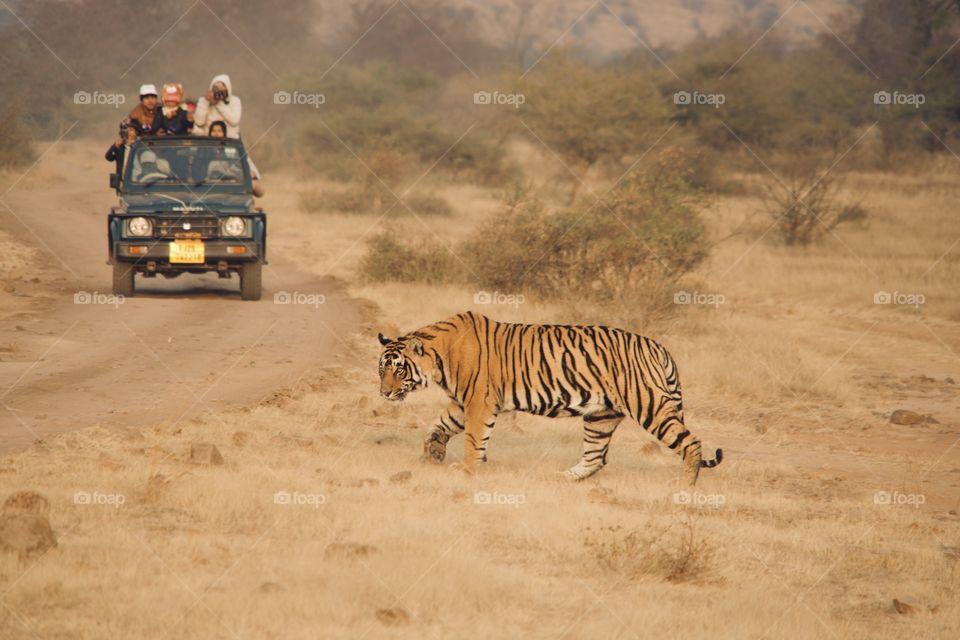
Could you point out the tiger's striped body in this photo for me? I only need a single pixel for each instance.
(487, 368)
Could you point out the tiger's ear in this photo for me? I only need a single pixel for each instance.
(384, 340)
(416, 346)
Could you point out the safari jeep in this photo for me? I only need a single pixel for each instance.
(186, 206)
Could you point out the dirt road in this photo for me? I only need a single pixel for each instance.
(71, 358)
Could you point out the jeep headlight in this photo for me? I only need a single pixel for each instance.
(139, 226)
(233, 226)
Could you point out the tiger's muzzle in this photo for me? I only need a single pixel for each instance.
(395, 394)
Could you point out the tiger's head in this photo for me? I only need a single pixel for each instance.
(402, 366)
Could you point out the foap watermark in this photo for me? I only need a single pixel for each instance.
(95, 297)
(696, 98)
(495, 97)
(298, 499)
(897, 499)
(699, 297)
(97, 98)
(897, 98)
(498, 297)
(899, 298)
(495, 498)
(299, 297)
(99, 499)
(295, 98)
(697, 499)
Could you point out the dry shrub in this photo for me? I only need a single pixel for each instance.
(708, 170)
(388, 259)
(807, 204)
(673, 553)
(641, 236)
(375, 187)
(428, 204)
(16, 149)
(623, 251)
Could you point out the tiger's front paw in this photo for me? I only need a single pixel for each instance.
(434, 451)
(580, 472)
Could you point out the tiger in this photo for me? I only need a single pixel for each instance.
(487, 368)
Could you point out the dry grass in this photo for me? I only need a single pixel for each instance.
(672, 553)
(362, 551)
(794, 374)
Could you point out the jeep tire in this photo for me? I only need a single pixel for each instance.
(250, 281)
(123, 274)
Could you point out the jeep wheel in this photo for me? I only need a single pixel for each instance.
(250, 281)
(123, 279)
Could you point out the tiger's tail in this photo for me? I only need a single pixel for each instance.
(717, 459)
(692, 455)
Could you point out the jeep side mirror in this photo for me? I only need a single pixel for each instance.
(115, 181)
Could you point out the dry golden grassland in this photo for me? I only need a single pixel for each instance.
(322, 522)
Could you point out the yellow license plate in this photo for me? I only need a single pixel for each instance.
(190, 251)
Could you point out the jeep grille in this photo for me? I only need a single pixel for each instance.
(205, 226)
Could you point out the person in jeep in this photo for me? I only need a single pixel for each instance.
(219, 130)
(149, 168)
(145, 116)
(118, 151)
(174, 119)
(219, 104)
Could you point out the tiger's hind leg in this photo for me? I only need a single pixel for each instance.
(668, 427)
(598, 428)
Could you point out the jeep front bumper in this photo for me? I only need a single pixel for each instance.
(215, 252)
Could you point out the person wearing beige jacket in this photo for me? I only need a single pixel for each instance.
(218, 105)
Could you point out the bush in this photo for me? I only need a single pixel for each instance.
(674, 554)
(16, 148)
(390, 260)
(521, 238)
(808, 206)
(428, 204)
(707, 169)
(647, 230)
(624, 250)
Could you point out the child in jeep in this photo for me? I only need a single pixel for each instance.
(218, 129)
(175, 120)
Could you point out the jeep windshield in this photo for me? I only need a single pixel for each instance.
(186, 164)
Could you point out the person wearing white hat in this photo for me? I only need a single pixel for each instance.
(145, 116)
